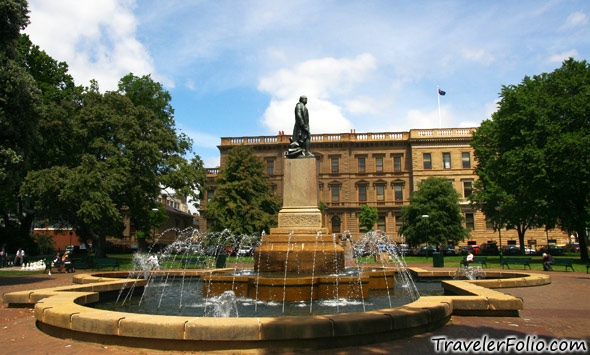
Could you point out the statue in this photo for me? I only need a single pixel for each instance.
(300, 141)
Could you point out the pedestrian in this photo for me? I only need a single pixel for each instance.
(468, 260)
(547, 261)
(19, 258)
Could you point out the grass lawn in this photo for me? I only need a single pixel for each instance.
(126, 262)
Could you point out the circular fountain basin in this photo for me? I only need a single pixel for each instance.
(62, 312)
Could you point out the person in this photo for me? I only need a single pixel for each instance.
(3, 256)
(468, 260)
(57, 262)
(67, 263)
(300, 141)
(153, 261)
(19, 258)
(547, 261)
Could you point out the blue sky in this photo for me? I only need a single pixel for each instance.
(237, 68)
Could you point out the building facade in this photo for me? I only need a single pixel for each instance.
(380, 170)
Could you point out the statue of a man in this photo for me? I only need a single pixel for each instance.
(300, 141)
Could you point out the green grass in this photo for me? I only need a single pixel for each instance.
(126, 262)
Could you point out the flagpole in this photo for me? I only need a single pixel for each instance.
(438, 97)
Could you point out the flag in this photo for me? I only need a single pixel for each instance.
(441, 93)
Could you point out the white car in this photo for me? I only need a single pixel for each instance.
(245, 251)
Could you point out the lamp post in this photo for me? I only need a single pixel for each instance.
(425, 218)
(499, 209)
(155, 210)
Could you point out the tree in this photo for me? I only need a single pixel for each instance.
(20, 107)
(534, 155)
(244, 201)
(368, 217)
(124, 154)
(433, 215)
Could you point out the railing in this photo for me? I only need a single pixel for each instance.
(353, 136)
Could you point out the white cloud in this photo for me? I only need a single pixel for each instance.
(321, 80)
(560, 57)
(96, 38)
(577, 19)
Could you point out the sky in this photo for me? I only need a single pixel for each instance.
(237, 68)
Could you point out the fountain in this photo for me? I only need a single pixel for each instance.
(299, 261)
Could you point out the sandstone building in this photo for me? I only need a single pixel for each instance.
(381, 170)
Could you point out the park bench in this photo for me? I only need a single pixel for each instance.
(49, 265)
(517, 261)
(99, 263)
(482, 260)
(587, 267)
(80, 263)
(567, 262)
(193, 260)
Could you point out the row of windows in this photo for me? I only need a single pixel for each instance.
(379, 163)
(398, 191)
(446, 160)
(381, 223)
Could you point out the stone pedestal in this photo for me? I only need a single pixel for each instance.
(299, 244)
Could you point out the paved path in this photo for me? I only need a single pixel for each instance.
(558, 310)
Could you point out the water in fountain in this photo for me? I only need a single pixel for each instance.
(380, 246)
(469, 273)
(192, 292)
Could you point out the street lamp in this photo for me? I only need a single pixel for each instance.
(425, 218)
(155, 210)
(499, 209)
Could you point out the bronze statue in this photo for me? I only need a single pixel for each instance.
(300, 141)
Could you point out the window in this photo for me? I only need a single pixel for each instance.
(380, 192)
(469, 221)
(362, 165)
(397, 163)
(446, 160)
(336, 224)
(381, 223)
(379, 164)
(466, 159)
(362, 192)
(335, 166)
(398, 192)
(427, 160)
(270, 167)
(210, 194)
(335, 193)
(467, 188)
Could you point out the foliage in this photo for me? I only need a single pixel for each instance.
(45, 243)
(367, 218)
(537, 148)
(438, 200)
(244, 201)
(19, 117)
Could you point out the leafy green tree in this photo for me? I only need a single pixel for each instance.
(534, 155)
(368, 217)
(125, 154)
(20, 107)
(244, 201)
(438, 200)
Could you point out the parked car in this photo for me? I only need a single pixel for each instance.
(404, 249)
(553, 249)
(508, 250)
(448, 250)
(245, 250)
(573, 247)
(421, 251)
(490, 248)
(474, 249)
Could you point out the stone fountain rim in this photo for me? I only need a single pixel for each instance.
(60, 311)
